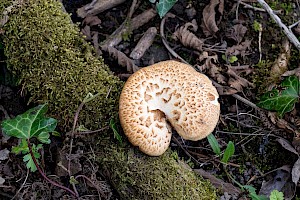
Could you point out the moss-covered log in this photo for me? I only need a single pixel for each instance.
(55, 65)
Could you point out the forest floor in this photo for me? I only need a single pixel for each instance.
(251, 61)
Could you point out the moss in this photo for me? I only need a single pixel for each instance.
(142, 177)
(55, 64)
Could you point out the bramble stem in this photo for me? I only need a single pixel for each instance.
(44, 175)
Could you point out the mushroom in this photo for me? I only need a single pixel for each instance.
(168, 93)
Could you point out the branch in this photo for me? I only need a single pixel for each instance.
(285, 29)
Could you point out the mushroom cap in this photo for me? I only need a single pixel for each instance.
(167, 93)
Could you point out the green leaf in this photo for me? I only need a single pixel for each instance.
(113, 126)
(73, 180)
(163, 6)
(30, 124)
(252, 193)
(229, 151)
(276, 195)
(214, 144)
(283, 98)
(232, 59)
(152, 1)
(44, 137)
(22, 147)
(27, 158)
(55, 133)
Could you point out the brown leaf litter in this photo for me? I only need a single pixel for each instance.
(209, 24)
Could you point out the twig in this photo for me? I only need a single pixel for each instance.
(285, 29)
(43, 174)
(257, 9)
(164, 40)
(95, 186)
(144, 43)
(24, 182)
(186, 152)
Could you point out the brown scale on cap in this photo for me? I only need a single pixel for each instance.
(166, 94)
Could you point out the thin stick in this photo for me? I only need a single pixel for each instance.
(285, 29)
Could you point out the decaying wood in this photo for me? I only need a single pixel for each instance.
(144, 43)
(97, 6)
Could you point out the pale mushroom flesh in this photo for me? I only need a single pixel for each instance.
(166, 94)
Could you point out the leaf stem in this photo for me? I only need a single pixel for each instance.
(44, 175)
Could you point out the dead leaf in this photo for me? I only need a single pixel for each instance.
(237, 32)
(123, 60)
(281, 123)
(187, 38)
(4, 154)
(86, 31)
(225, 90)
(2, 180)
(240, 49)
(218, 183)
(286, 144)
(210, 68)
(296, 143)
(296, 171)
(279, 182)
(209, 25)
(235, 80)
(91, 21)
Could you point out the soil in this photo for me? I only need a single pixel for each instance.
(224, 43)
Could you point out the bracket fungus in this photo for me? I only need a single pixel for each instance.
(168, 93)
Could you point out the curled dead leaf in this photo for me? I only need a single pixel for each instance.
(240, 49)
(91, 21)
(210, 68)
(237, 32)
(209, 24)
(235, 80)
(187, 38)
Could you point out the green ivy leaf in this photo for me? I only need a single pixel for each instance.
(283, 98)
(229, 151)
(214, 144)
(30, 124)
(163, 6)
(276, 195)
